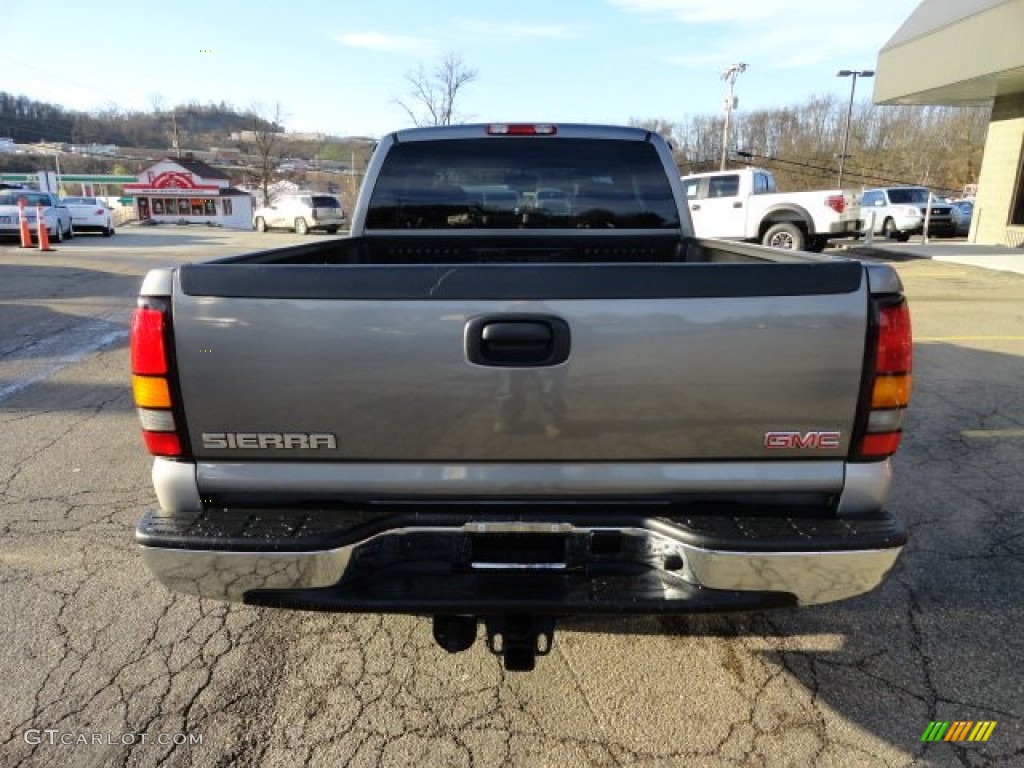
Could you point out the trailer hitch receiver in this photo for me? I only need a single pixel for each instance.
(519, 639)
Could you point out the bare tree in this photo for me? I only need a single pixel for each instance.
(266, 136)
(432, 94)
(937, 146)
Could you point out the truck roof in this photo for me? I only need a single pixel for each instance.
(544, 130)
(731, 170)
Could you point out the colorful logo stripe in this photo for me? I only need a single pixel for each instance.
(958, 730)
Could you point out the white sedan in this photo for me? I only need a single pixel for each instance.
(55, 215)
(90, 214)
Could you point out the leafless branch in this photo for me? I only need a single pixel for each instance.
(267, 127)
(432, 95)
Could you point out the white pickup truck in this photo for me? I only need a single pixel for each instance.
(745, 205)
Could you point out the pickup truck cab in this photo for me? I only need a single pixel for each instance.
(746, 205)
(483, 407)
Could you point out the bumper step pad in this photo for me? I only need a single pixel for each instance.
(304, 530)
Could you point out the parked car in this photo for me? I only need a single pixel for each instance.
(963, 212)
(90, 214)
(900, 212)
(746, 205)
(55, 214)
(300, 213)
(553, 201)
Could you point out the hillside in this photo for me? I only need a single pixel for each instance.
(28, 122)
(937, 146)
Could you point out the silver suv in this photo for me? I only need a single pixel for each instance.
(301, 213)
(899, 212)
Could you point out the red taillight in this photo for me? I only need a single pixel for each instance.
(836, 202)
(888, 393)
(147, 342)
(521, 129)
(151, 384)
(881, 445)
(162, 443)
(895, 344)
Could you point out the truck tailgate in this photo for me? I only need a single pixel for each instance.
(662, 361)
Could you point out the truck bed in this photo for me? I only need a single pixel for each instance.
(384, 363)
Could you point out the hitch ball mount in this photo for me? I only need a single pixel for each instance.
(517, 638)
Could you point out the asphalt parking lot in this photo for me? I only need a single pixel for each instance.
(103, 667)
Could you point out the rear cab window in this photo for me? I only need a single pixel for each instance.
(764, 184)
(500, 184)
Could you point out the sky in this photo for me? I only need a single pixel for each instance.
(339, 66)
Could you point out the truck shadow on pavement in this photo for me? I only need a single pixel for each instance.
(149, 238)
(32, 332)
(21, 282)
(51, 318)
(940, 639)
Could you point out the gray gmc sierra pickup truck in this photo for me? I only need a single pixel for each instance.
(521, 390)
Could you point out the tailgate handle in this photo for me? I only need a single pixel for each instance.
(522, 334)
(517, 341)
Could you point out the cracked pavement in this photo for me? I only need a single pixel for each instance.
(91, 647)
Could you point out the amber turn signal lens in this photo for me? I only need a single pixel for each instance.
(891, 391)
(151, 392)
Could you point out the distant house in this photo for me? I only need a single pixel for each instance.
(225, 155)
(108, 150)
(253, 135)
(180, 189)
(306, 136)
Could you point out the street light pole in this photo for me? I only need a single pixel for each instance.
(854, 73)
(730, 75)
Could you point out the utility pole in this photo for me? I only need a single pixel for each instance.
(176, 142)
(729, 76)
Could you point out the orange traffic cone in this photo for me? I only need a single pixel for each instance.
(44, 238)
(26, 232)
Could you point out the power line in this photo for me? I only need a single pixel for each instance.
(865, 174)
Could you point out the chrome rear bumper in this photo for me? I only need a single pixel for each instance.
(662, 562)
